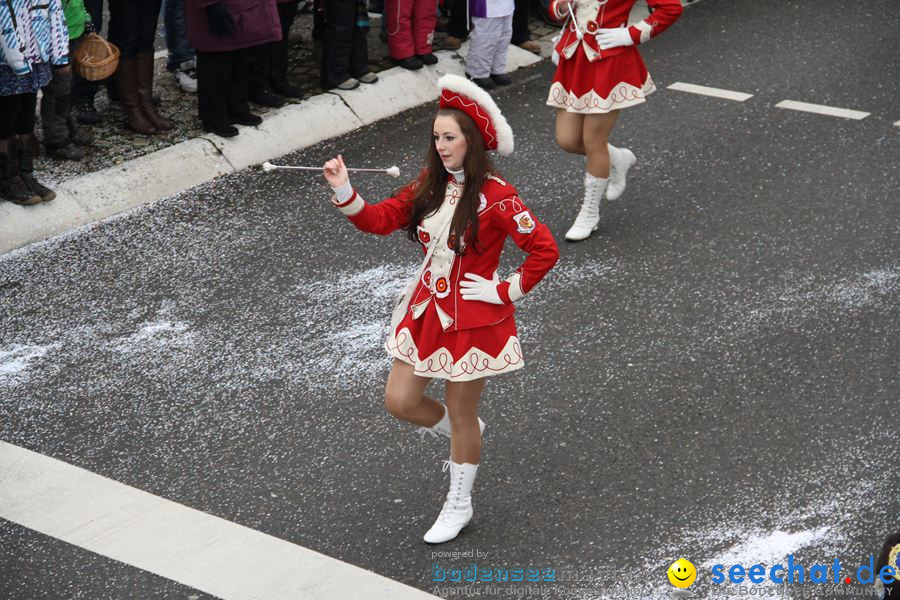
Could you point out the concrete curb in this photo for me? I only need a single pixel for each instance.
(95, 196)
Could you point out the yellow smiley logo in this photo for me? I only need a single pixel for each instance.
(681, 573)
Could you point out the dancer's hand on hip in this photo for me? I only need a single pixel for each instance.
(613, 37)
(335, 172)
(476, 287)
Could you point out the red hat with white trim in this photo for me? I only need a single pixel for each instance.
(460, 93)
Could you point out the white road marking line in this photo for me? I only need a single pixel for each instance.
(703, 90)
(172, 540)
(897, 124)
(821, 109)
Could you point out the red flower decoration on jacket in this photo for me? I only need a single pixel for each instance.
(424, 237)
(441, 287)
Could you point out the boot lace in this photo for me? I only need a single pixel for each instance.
(423, 431)
(453, 502)
(589, 213)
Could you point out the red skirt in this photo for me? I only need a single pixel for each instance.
(455, 355)
(602, 86)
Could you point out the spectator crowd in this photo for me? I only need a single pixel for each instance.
(228, 52)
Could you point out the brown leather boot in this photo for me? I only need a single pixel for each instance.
(12, 187)
(126, 82)
(145, 92)
(27, 149)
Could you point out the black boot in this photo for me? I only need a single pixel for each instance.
(27, 149)
(12, 187)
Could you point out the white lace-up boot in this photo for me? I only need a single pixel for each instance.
(442, 427)
(457, 511)
(620, 160)
(588, 218)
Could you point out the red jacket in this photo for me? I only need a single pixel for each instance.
(502, 213)
(595, 14)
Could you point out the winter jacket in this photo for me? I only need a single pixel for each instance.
(34, 32)
(76, 16)
(491, 8)
(256, 22)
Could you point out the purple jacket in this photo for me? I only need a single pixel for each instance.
(256, 22)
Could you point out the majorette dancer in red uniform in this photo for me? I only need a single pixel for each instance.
(600, 71)
(455, 321)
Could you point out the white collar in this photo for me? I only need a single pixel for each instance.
(458, 176)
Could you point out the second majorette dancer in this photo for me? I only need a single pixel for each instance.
(455, 320)
(600, 71)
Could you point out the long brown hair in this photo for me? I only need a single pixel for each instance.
(429, 196)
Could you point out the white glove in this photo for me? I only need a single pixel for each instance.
(476, 287)
(613, 37)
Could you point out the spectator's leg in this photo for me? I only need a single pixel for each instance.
(148, 18)
(258, 78)
(502, 37)
(458, 26)
(9, 112)
(359, 53)
(213, 73)
(83, 91)
(520, 33)
(318, 30)
(180, 50)
(124, 25)
(56, 102)
(398, 16)
(278, 53)
(124, 19)
(480, 57)
(424, 20)
(340, 23)
(27, 148)
(80, 136)
(12, 187)
(181, 61)
(239, 83)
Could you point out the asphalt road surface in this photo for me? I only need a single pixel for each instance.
(713, 375)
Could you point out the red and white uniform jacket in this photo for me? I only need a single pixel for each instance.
(500, 214)
(592, 15)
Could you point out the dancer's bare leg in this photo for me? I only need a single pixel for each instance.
(462, 403)
(595, 135)
(405, 399)
(570, 131)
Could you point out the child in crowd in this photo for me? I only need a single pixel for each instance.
(410, 29)
(33, 41)
(491, 33)
(62, 137)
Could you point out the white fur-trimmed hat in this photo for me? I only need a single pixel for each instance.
(460, 93)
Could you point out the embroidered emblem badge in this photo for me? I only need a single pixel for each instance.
(524, 222)
(482, 203)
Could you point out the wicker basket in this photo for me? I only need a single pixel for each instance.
(95, 58)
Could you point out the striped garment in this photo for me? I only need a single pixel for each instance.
(34, 32)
